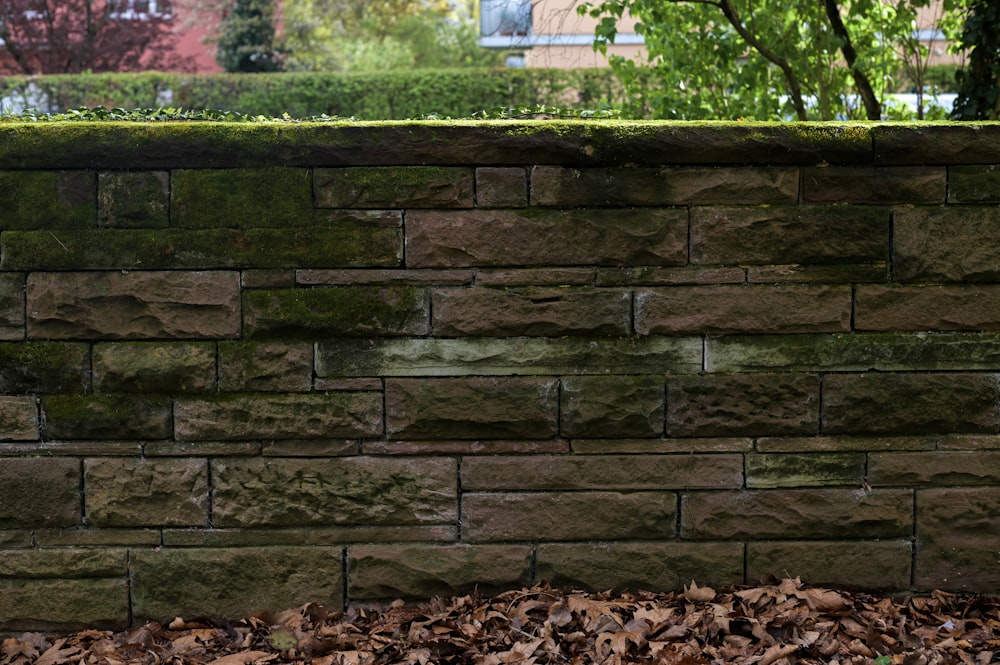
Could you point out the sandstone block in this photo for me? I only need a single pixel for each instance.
(722, 444)
(946, 244)
(499, 187)
(810, 470)
(530, 312)
(47, 199)
(956, 539)
(841, 444)
(535, 277)
(66, 563)
(133, 199)
(265, 366)
(796, 514)
(532, 516)
(973, 184)
(116, 305)
(393, 187)
(472, 408)
(63, 605)
(612, 406)
(265, 278)
(664, 566)
(144, 492)
(106, 416)
(39, 492)
(934, 468)
(237, 198)
(18, 418)
(425, 571)
(346, 491)
(789, 234)
(959, 143)
(153, 367)
(656, 276)
(484, 447)
(918, 308)
(910, 403)
(743, 309)
(233, 582)
(313, 535)
(852, 273)
(252, 417)
(879, 185)
(388, 277)
(743, 405)
(490, 238)
(81, 537)
(12, 306)
(869, 565)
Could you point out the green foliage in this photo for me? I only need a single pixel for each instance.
(979, 84)
(246, 38)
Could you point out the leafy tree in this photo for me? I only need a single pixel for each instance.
(979, 84)
(246, 38)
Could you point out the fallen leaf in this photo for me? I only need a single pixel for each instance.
(697, 594)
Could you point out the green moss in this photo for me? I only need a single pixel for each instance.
(50, 367)
(807, 470)
(273, 196)
(47, 199)
(133, 199)
(107, 417)
(394, 187)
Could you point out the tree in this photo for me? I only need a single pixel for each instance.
(247, 36)
(72, 36)
(761, 59)
(979, 84)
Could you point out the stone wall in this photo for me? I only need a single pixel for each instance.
(251, 366)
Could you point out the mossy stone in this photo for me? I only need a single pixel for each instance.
(128, 199)
(241, 198)
(106, 417)
(806, 470)
(47, 199)
(44, 367)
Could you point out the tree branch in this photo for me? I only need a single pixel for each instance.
(872, 107)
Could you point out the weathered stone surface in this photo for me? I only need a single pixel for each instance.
(348, 385)
(73, 448)
(743, 309)
(47, 199)
(880, 185)
(602, 472)
(919, 308)
(265, 366)
(486, 238)
(956, 540)
(39, 492)
(310, 448)
(743, 405)
(116, 305)
(789, 234)
(498, 187)
(264, 278)
(64, 605)
(955, 143)
(106, 416)
(631, 186)
(853, 352)
(268, 196)
(812, 470)
(248, 417)
(424, 571)
(12, 306)
(232, 583)
(476, 408)
(612, 406)
(802, 513)
(910, 403)
(532, 516)
(344, 491)
(946, 244)
(313, 535)
(826, 274)
(393, 187)
(486, 447)
(842, 444)
(80, 536)
(530, 312)
(18, 418)
(974, 184)
(662, 446)
(656, 276)
(523, 355)
(153, 367)
(535, 277)
(335, 311)
(197, 449)
(384, 277)
(65, 563)
(133, 199)
(663, 566)
(874, 566)
(142, 492)
(934, 468)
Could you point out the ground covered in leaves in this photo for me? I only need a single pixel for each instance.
(786, 623)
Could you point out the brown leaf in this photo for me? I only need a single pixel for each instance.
(696, 594)
(244, 658)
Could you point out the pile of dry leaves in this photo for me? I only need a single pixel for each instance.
(785, 623)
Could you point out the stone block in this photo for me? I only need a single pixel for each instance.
(474, 408)
(499, 187)
(12, 306)
(486, 447)
(265, 366)
(854, 564)
(382, 572)
(797, 514)
(956, 540)
(238, 198)
(117, 305)
(946, 244)
(910, 403)
(336, 311)
(494, 238)
(154, 367)
(389, 277)
(957, 307)
(347, 491)
(958, 143)
(909, 469)
(265, 278)
(743, 405)
(612, 406)
(568, 516)
(47, 199)
(106, 416)
(851, 273)
(842, 444)
(602, 472)
(39, 492)
(656, 276)
(231, 583)
(665, 566)
(974, 184)
(146, 492)
(685, 185)
(313, 535)
(133, 199)
(876, 185)
(18, 418)
(393, 187)
(535, 277)
(504, 356)
(247, 417)
(789, 234)
(65, 563)
(531, 312)
(722, 444)
(60, 606)
(805, 470)
(743, 309)
(81, 536)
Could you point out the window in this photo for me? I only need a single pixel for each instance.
(505, 18)
(139, 10)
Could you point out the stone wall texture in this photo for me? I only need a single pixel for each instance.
(245, 367)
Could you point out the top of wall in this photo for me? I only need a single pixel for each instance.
(586, 143)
